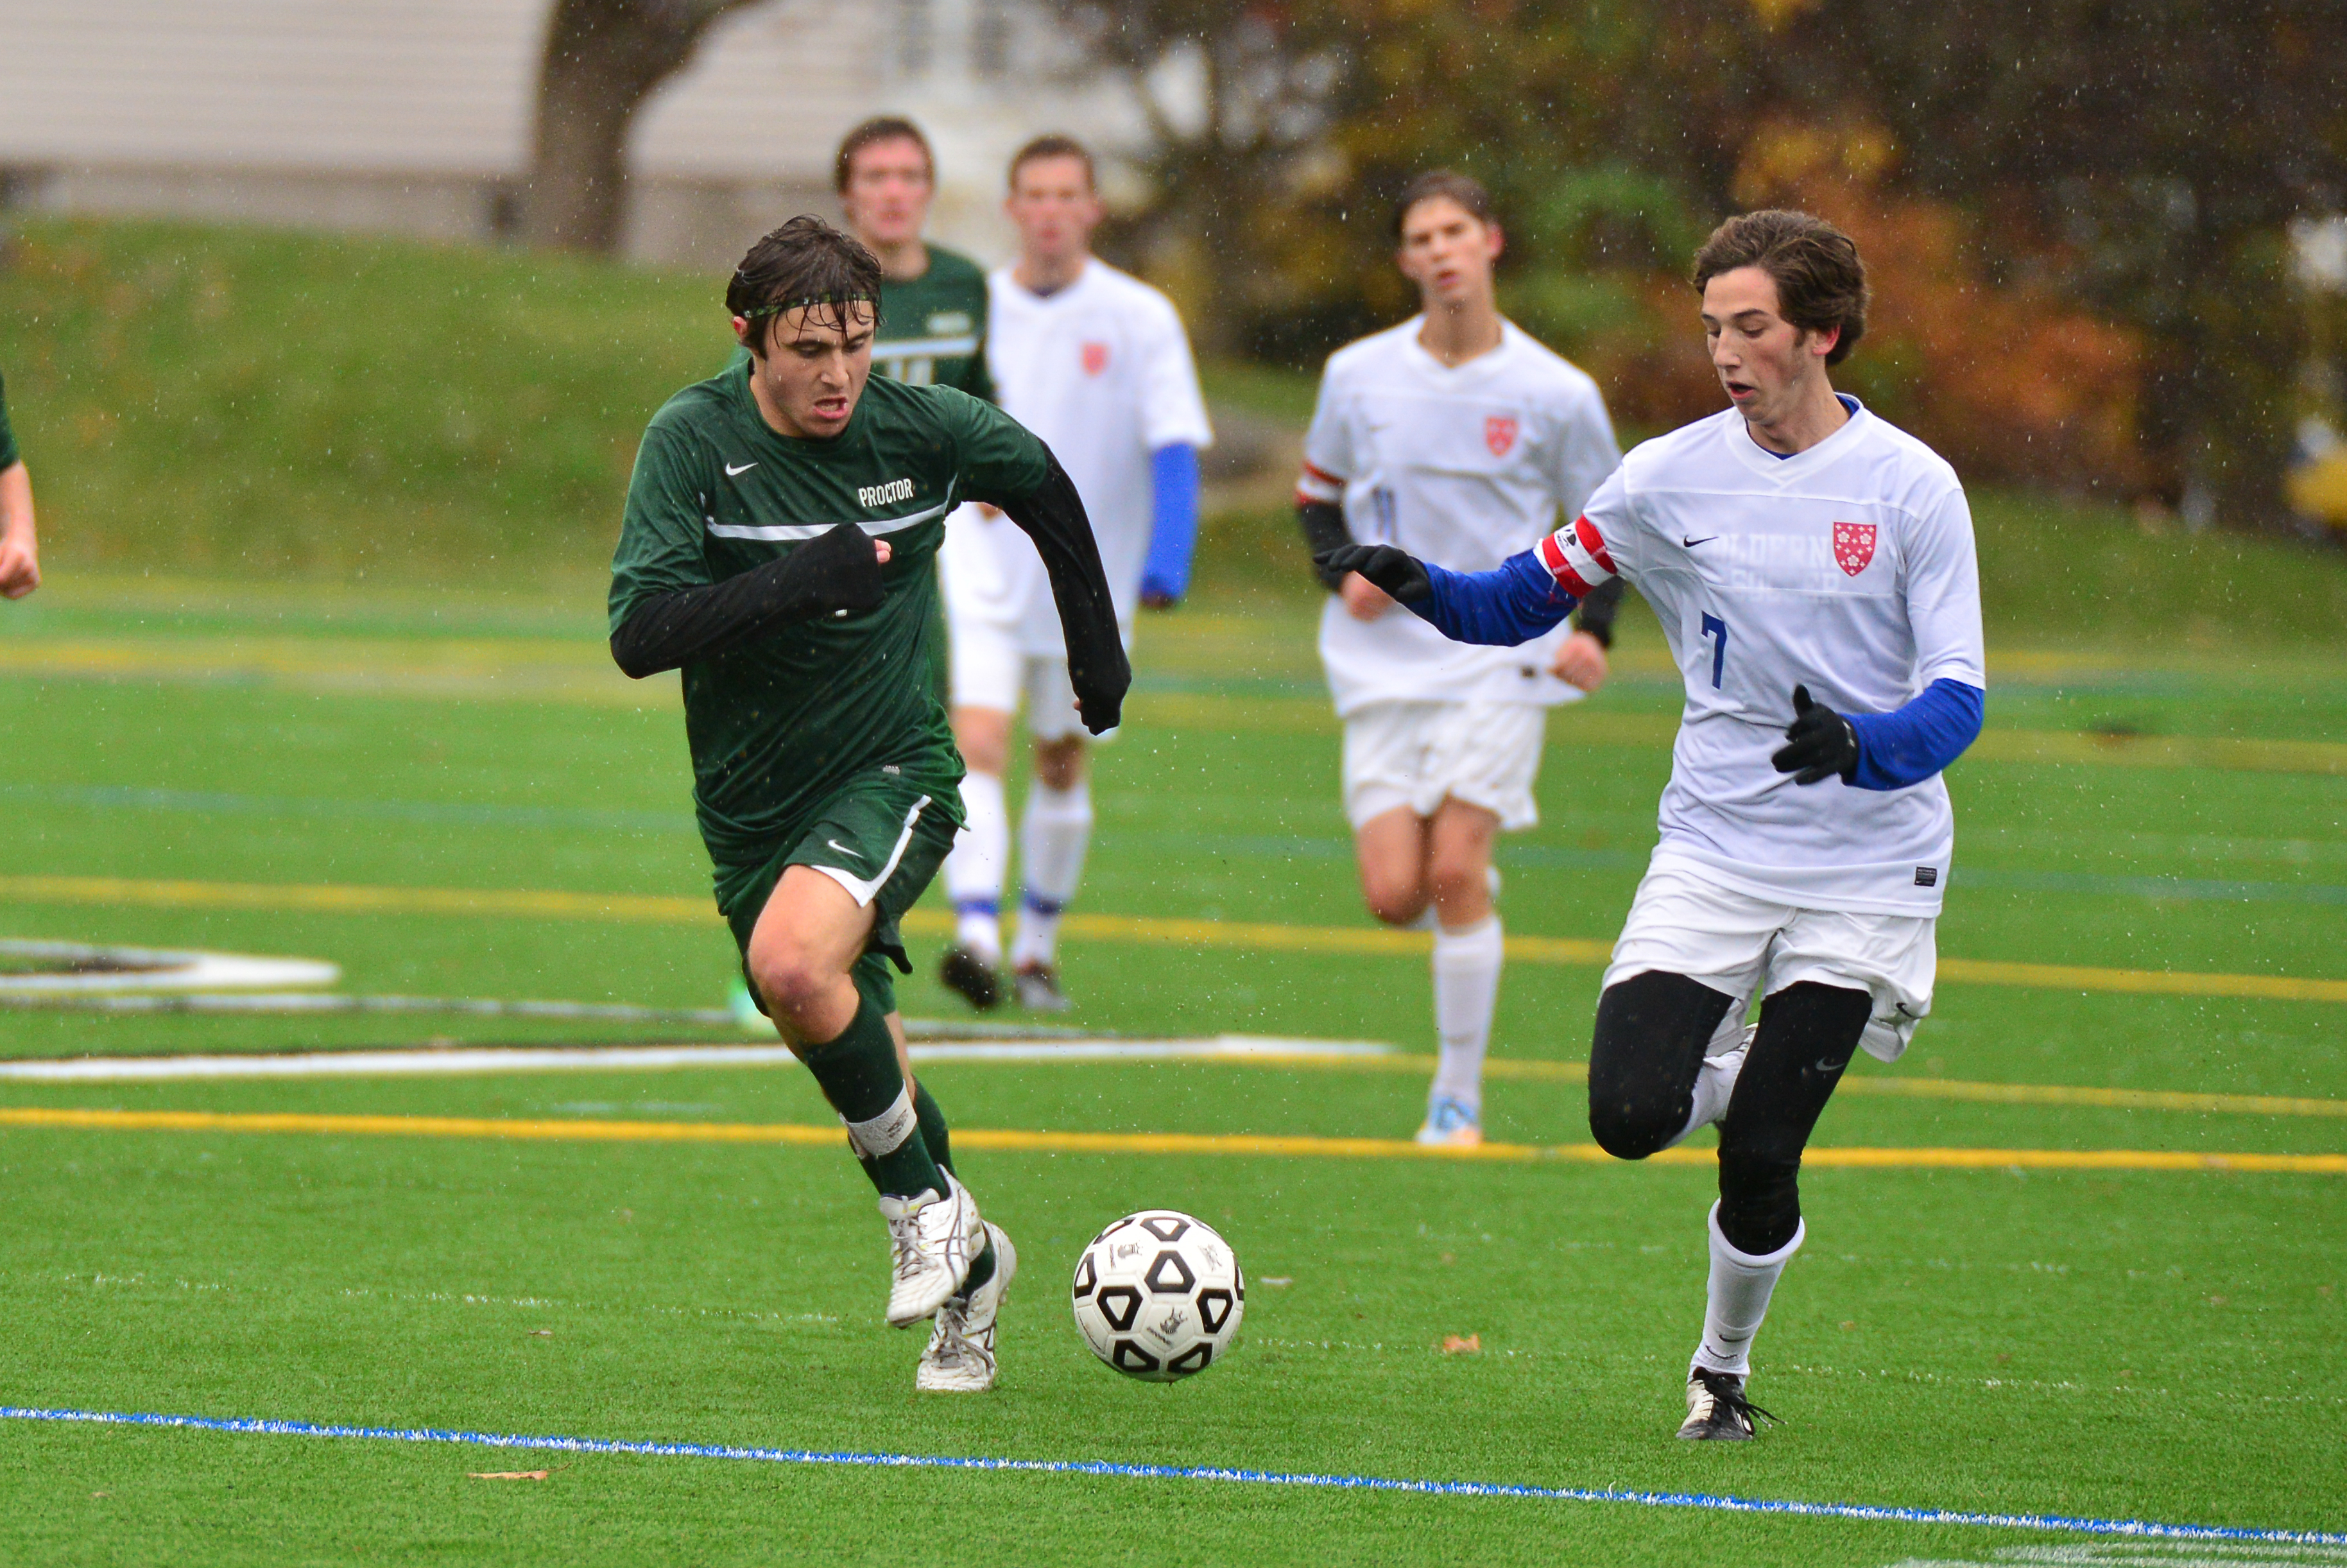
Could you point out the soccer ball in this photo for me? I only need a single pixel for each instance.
(1159, 1294)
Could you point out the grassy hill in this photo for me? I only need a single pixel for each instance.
(252, 403)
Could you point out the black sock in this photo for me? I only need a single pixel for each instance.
(857, 1073)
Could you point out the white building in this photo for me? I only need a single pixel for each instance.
(415, 116)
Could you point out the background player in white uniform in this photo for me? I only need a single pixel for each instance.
(1458, 437)
(1794, 544)
(1095, 361)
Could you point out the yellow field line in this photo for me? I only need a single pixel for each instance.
(1220, 1143)
(536, 904)
(1535, 1069)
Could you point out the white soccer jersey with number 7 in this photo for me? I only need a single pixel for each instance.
(1848, 568)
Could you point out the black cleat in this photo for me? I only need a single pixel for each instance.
(1717, 1410)
(964, 972)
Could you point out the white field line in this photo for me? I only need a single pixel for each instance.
(155, 970)
(571, 1058)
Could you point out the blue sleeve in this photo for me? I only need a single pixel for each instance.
(1910, 744)
(1511, 605)
(1174, 521)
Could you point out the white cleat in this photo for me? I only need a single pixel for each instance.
(935, 1239)
(1451, 1124)
(960, 1357)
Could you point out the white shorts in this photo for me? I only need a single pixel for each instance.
(1418, 754)
(1683, 923)
(991, 670)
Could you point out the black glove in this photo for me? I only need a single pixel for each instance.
(1820, 742)
(1397, 571)
(831, 574)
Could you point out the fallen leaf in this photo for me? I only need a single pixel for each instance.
(1276, 1281)
(508, 1474)
(541, 1333)
(95, 1495)
(1452, 1345)
(1846, 1323)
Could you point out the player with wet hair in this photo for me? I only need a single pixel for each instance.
(779, 547)
(1813, 570)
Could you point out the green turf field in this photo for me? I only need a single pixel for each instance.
(2117, 1342)
(381, 730)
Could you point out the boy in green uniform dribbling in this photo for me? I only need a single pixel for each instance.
(779, 547)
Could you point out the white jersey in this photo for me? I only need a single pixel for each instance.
(1463, 466)
(1848, 568)
(1101, 371)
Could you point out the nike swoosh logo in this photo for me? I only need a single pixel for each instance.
(841, 847)
(1685, 543)
(1825, 1066)
(731, 470)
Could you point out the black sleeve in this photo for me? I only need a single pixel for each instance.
(1324, 530)
(833, 573)
(1596, 613)
(1052, 515)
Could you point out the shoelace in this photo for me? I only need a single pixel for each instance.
(1726, 1392)
(952, 1345)
(907, 1235)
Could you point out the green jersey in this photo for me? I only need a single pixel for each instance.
(932, 330)
(8, 453)
(779, 725)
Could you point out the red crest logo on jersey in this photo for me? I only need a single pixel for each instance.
(1499, 434)
(1095, 358)
(1853, 545)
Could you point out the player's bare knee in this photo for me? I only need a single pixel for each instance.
(1461, 887)
(1060, 764)
(1395, 900)
(792, 985)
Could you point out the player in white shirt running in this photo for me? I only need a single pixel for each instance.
(1812, 567)
(1095, 361)
(1458, 437)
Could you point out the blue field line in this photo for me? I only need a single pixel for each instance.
(2137, 1528)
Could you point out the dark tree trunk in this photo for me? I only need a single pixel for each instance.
(602, 60)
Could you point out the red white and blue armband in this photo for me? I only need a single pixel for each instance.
(1575, 556)
(1316, 485)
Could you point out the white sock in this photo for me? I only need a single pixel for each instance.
(1052, 838)
(1737, 1299)
(1466, 988)
(973, 868)
(1715, 1082)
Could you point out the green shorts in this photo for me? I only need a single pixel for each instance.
(882, 837)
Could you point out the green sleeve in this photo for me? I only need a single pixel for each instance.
(997, 455)
(9, 456)
(978, 381)
(659, 534)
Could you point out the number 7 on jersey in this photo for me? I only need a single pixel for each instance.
(1714, 627)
